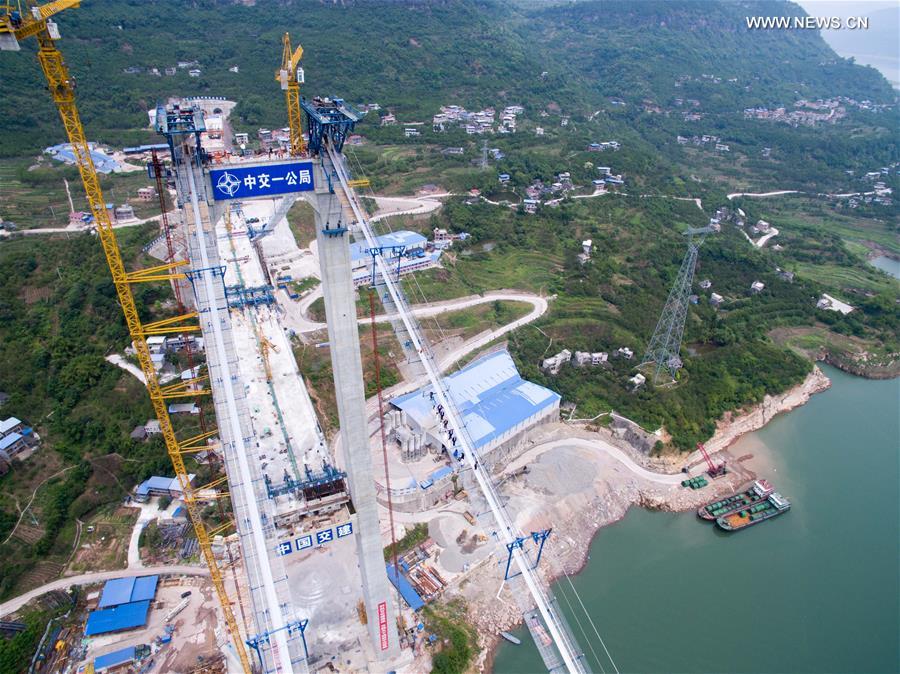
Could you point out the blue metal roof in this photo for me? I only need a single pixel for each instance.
(102, 162)
(410, 596)
(403, 237)
(116, 591)
(119, 657)
(9, 440)
(146, 148)
(144, 588)
(122, 617)
(126, 590)
(159, 483)
(489, 394)
(440, 472)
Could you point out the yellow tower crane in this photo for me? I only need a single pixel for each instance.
(265, 345)
(290, 74)
(19, 21)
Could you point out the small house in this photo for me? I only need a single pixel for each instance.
(553, 363)
(13, 443)
(11, 425)
(146, 193)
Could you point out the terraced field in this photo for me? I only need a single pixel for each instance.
(838, 278)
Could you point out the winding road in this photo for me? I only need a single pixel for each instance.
(297, 319)
(777, 193)
(119, 361)
(16, 603)
(594, 446)
(389, 206)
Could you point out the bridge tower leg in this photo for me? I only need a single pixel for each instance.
(343, 336)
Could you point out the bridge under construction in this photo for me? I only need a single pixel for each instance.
(288, 494)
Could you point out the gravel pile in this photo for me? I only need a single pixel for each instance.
(562, 471)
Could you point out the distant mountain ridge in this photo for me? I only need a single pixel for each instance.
(416, 55)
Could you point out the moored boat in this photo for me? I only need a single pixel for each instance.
(758, 491)
(510, 638)
(774, 505)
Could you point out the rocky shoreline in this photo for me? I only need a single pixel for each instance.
(577, 517)
(861, 369)
(733, 425)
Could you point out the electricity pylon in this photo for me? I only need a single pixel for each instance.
(665, 345)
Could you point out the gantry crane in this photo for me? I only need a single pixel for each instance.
(19, 22)
(290, 75)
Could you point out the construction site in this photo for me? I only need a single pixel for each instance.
(300, 531)
(322, 550)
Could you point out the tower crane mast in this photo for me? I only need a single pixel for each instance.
(35, 21)
(290, 75)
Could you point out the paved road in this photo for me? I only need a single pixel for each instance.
(761, 194)
(595, 446)
(762, 240)
(298, 320)
(539, 308)
(100, 576)
(388, 206)
(79, 230)
(119, 361)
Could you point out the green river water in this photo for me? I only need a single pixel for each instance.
(814, 590)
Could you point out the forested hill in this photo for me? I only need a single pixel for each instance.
(641, 49)
(414, 56)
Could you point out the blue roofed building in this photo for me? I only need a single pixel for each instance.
(497, 407)
(123, 656)
(102, 161)
(13, 443)
(401, 249)
(159, 486)
(118, 618)
(10, 425)
(405, 588)
(127, 590)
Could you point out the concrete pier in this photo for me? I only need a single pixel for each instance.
(343, 337)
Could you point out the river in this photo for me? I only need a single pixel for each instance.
(815, 590)
(884, 263)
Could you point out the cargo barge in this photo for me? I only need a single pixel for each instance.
(774, 505)
(757, 492)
